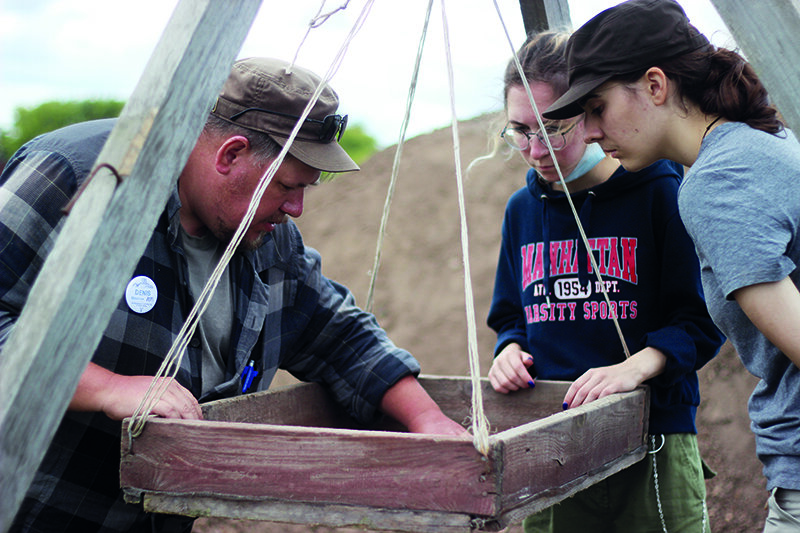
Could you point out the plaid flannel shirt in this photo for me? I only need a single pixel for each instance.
(286, 314)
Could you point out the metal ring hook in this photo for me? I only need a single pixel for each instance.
(653, 441)
(67, 208)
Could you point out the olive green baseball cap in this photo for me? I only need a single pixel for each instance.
(269, 95)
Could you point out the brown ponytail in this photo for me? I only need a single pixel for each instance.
(741, 95)
(721, 82)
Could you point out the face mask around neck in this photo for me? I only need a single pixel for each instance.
(590, 158)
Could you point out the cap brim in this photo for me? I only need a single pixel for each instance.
(327, 157)
(568, 105)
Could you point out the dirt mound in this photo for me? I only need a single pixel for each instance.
(419, 295)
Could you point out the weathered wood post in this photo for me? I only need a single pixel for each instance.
(768, 32)
(81, 282)
(540, 15)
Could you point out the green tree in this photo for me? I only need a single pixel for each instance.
(32, 121)
(358, 144)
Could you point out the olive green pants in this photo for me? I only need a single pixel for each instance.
(635, 499)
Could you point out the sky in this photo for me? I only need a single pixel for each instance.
(68, 50)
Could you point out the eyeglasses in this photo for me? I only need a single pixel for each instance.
(328, 129)
(519, 139)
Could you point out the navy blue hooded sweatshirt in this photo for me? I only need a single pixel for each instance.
(548, 300)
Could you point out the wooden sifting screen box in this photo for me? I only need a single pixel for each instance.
(293, 455)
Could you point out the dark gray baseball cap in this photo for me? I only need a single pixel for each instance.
(631, 36)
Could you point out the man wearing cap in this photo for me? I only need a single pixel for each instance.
(272, 309)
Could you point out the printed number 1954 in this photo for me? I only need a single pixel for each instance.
(570, 288)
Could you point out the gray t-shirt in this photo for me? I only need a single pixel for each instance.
(202, 255)
(740, 203)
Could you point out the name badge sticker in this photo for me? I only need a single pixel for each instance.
(141, 294)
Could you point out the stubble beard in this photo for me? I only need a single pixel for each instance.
(225, 234)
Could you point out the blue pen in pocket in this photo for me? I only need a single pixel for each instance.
(248, 374)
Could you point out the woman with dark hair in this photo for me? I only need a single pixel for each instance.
(653, 87)
(549, 310)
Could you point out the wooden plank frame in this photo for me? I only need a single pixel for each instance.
(541, 15)
(293, 455)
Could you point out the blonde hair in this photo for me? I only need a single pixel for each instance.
(543, 58)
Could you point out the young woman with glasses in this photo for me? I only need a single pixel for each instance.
(550, 313)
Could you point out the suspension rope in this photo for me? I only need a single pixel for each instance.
(563, 184)
(317, 20)
(396, 165)
(480, 426)
(172, 361)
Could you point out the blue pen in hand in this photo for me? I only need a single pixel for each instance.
(248, 374)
